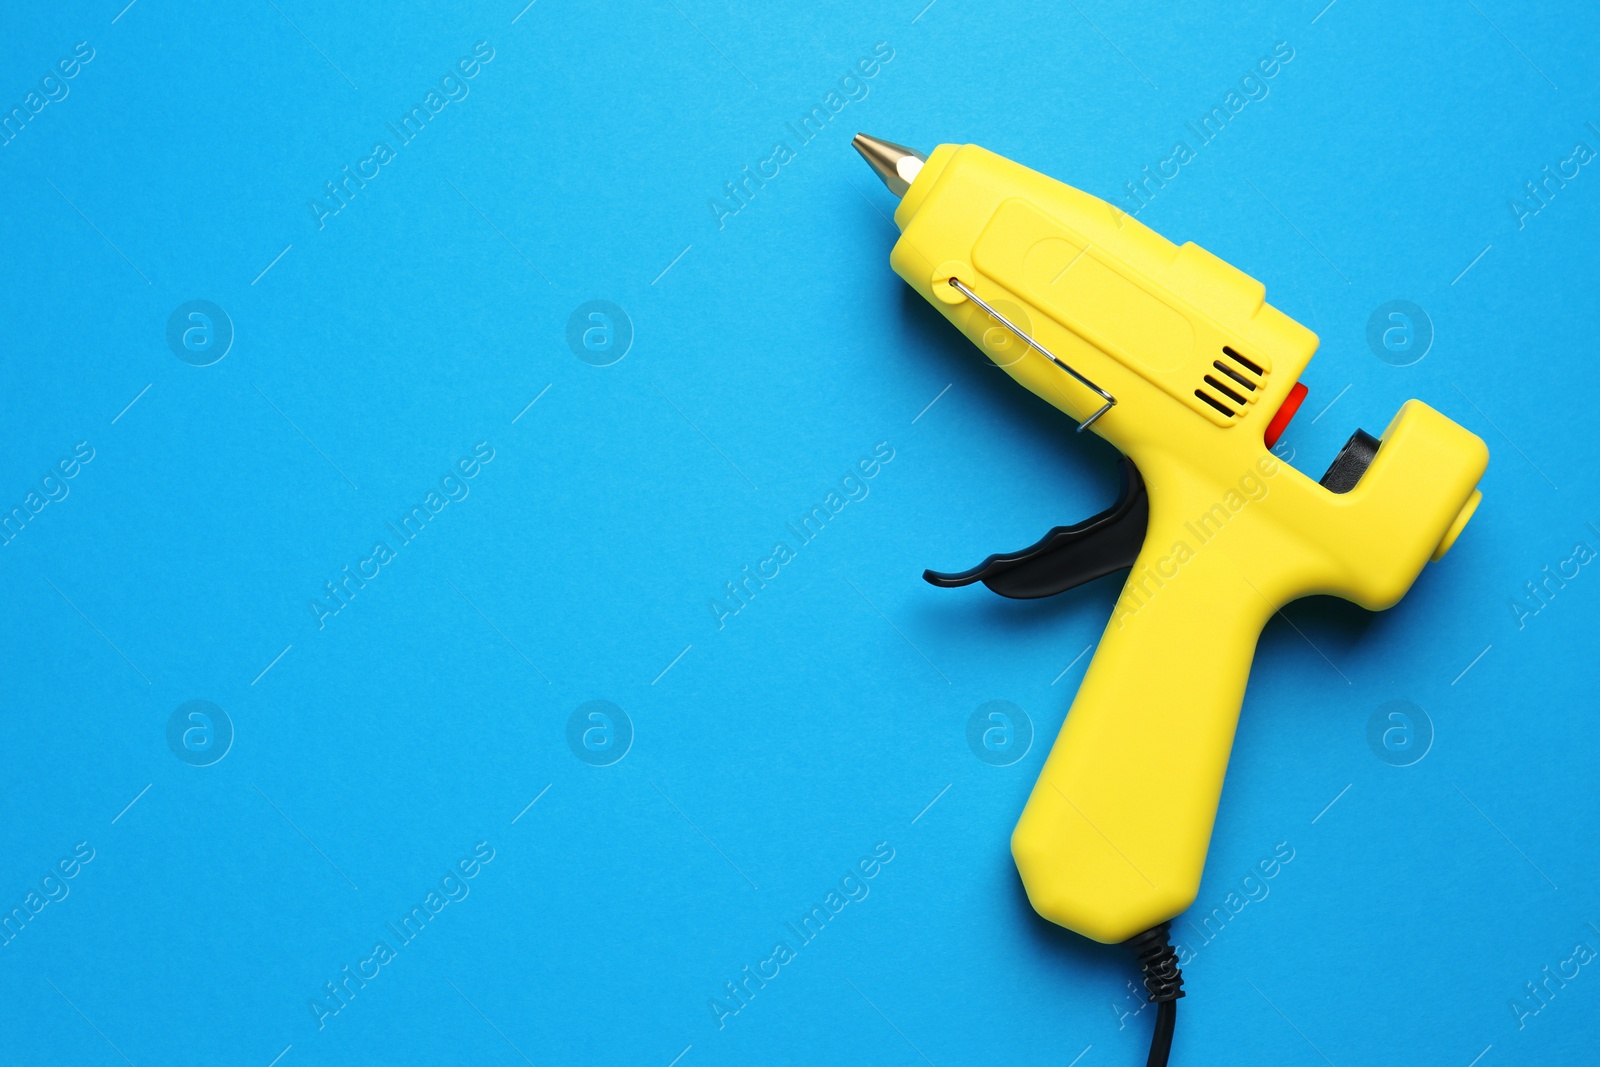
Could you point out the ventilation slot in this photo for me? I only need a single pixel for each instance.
(1224, 390)
(1235, 375)
(1214, 402)
(1245, 363)
(1234, 384)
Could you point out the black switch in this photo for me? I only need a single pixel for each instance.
(1351, 462)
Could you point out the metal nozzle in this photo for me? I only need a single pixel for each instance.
(896, 164)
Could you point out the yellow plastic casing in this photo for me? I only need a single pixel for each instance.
(1114, 836)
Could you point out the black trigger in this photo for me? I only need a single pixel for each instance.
(1067, 556)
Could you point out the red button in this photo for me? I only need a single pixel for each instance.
(1280, 421)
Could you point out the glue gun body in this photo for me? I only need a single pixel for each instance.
(1174, 357)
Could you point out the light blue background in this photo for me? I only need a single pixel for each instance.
(775, 353)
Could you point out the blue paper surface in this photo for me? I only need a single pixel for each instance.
(370, 506)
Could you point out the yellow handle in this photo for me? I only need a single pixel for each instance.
(1114, 836)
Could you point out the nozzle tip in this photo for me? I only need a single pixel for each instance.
(895, 164)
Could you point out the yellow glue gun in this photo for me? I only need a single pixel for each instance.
(1175, 358)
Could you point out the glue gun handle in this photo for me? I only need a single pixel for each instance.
(1114, 836)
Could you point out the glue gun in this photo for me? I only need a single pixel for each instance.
(1174, 357)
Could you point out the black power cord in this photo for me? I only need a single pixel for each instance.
(1164, 982)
